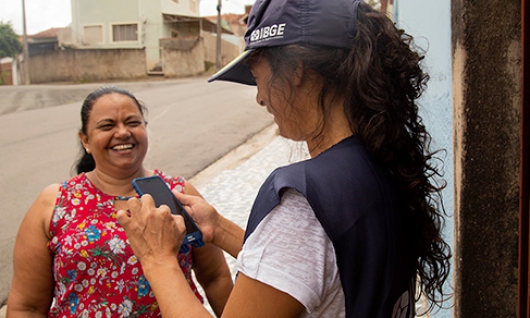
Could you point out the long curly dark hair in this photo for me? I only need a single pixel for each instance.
(380, 79)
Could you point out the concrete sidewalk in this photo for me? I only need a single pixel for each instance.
(232, 183)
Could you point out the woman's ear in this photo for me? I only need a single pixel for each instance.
(84, 140)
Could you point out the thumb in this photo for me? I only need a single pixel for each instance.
(123, 217)
(185, 199)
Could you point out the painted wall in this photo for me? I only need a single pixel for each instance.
(153, 29)
(89, 65)
(193, 54)
(429, 21)
(104, 13)
(146, 13)
(181, 7)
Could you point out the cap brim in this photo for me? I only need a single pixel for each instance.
(236, 71)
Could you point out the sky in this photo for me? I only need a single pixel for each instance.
(44, 14)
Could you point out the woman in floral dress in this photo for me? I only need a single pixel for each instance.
(72, 257)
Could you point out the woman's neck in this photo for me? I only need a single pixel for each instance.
(116, 185)
(336, 128)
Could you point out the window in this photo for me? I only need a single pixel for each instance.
(124, 32)
(93, 34)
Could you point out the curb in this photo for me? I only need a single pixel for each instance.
(237, 156)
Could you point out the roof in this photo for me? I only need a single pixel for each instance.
(50, 33)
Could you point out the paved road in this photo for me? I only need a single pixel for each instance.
(191, 125)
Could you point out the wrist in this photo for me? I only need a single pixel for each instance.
(152, 266)
(219, 230)
(228, 236)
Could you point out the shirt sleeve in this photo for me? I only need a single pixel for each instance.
(290, 251)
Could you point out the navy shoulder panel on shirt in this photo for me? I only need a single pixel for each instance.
(357, 205)
(341, 177)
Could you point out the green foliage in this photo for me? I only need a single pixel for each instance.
(209, 66)
(9, 44)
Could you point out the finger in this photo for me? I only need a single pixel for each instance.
(147, 200)
(164, 208)
(181, 228)
(123, 216)
(179, 221)
(185, 199)
(133, 205)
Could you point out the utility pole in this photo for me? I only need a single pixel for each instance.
(218, 51)
(25, 50)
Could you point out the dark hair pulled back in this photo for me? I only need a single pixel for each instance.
(380, 79)
(85, 162)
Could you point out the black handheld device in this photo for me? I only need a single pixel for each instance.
(158, 189)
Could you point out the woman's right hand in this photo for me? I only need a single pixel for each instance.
(204, 215)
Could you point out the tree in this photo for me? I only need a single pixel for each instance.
(9, 44)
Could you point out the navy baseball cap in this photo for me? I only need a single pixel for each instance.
(272, 23)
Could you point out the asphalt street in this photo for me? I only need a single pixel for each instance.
(192, 125)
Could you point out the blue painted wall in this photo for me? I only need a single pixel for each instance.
(429, 21)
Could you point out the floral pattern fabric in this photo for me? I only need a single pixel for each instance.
(95, 271)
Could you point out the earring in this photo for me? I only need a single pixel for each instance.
(87, 150)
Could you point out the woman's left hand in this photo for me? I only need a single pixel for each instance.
(154, 233)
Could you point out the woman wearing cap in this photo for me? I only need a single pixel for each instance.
(353, 230)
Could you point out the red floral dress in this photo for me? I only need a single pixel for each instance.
(95, 271)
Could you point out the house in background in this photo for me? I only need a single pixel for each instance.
(43, 41)
(131, 39)
(136, 24)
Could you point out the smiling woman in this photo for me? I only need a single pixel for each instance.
(81, 263)
(113, 133)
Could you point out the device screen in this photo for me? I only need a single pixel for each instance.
(161, 193)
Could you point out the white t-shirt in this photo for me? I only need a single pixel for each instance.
(290, 251)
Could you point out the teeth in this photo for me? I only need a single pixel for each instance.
(122, 147)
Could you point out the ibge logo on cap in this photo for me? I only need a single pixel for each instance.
(268, 32)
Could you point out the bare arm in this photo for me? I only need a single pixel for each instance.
(213, 274)
(156, 235)
(249, 299)
(211, 270)
(32, 285)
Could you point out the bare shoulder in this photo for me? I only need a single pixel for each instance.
(190, 189)
(50, 191)
(40, 212)
(47, 197)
